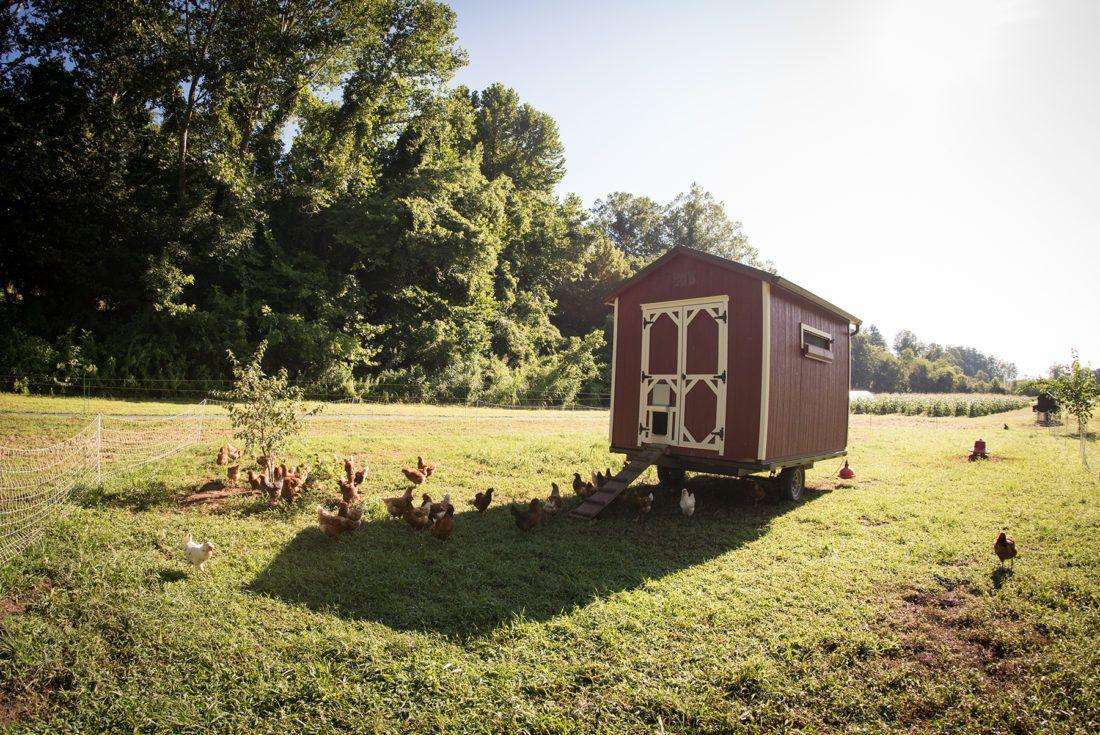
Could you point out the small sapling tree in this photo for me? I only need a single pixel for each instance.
(1074, 387)
(265, 410)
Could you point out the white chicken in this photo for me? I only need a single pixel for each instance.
(687, 502)
(197, 554)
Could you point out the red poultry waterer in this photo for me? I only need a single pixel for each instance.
(978, 452)
(846, 472)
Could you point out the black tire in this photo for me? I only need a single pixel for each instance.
(670, 476)
(792, 481)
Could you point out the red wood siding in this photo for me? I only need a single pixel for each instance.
(684, 277)
(808, 399)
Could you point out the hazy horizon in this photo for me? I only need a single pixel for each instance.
(918, 164)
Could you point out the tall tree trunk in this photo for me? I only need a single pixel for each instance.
(185, 126)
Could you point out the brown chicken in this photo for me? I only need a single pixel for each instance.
(360, 475)
(553, 503)
(416, 477)
(292, 487)
(254, 481)
(528, 519)
(417, 518)
(345, 520)
(233, 452)
(598, 479)
(1004, 547)
(267, 488)
(223, 456)
(349, 492)
(643, 503)
(234, 474)
(578, 485)
(398, 505)
(349, 470)
(438, 510)
(427, 469)
(445, 526)
(481, 501)
(581, 488)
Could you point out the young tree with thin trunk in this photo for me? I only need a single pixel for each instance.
(1074, 387)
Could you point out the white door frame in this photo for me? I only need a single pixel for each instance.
(682, 313)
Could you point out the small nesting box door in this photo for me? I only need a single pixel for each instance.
(683, 381)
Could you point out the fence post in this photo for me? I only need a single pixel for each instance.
(99, 448)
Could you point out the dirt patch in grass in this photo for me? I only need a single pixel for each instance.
(18, 604)
(213, 494)
(15, 710)
(948, 630)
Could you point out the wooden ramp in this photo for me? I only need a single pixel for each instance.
(602, 498)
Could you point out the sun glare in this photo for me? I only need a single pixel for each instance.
(937, 42)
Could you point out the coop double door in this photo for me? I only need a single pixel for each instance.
(684, 373)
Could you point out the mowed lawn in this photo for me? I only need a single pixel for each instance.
(873, 608)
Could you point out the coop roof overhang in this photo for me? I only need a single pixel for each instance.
(732, 265)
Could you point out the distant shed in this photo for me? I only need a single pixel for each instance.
(730, 368)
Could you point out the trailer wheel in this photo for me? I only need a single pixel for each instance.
(670, 476)
(792, 481)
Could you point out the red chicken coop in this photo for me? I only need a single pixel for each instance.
(722, 368)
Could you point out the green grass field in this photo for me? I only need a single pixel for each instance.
(873, 608)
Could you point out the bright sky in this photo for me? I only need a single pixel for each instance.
(931, 165)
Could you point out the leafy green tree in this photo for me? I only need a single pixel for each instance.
(697, 220)
(906, 340)
(517, 140)
(634, 223)
(888, 374)
(264, 410)
(1075, 390)
(874, 336)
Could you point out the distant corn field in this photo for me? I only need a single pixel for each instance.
(938, 404)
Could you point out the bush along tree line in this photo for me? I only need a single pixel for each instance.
(184, 178)
(912, 366)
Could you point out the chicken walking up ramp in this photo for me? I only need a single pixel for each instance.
(604, 496)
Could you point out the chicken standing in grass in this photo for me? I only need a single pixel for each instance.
(553, 503)
(528, 519)
(426, 469)
(416, 477)
(687, 502)
(197, 554)
(349, 492)
(481, 501)
(1004, 547)
(254, 481)
(438, 510)
(643, 504)
(291, 487)
(346, 519)
(417, 518)
(445, 526)
(398, 505)
(233, 474)
(223, 456)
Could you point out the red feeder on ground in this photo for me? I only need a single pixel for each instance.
(846, 472)
(978, 452)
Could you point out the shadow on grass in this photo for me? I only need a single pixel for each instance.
(490, 572)
(999, 575)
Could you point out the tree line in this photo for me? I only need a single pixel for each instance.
(187, 177)
(913, 366)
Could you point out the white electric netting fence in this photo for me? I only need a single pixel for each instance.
(36, 483)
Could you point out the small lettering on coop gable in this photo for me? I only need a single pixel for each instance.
(679, 280)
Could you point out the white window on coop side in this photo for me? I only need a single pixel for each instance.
(816, 344)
